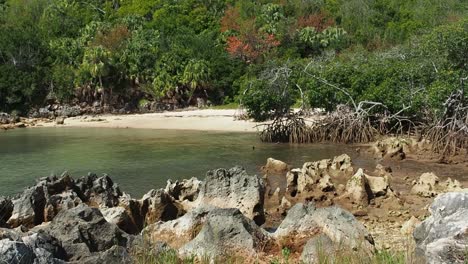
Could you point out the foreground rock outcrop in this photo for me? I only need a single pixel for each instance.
(305, 222)
(233, 188)
(443, 237)
(90, 220)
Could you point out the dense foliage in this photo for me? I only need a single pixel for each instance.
(268, 54)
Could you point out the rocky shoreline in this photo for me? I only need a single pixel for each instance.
(58, 113)
(231, 213)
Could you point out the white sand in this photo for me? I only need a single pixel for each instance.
(206, 120)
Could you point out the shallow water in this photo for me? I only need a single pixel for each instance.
(138, 159)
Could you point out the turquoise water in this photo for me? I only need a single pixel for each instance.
(138, 159)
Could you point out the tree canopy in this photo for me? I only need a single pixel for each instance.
(115, 51)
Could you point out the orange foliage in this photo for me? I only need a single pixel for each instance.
(249, 48)
(319, 21)
(112, 39)
(230, 19)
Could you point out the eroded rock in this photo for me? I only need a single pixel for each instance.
(227, 232)
(234, 188)
(180, 231)
(28, 209)
(158, 205)
(392, 148)
(84, 231)
(15, 252)
(275, 166)
(358, 189)
(99, 191)
(6, 209)
(303, 222)
(184, 189)
(443, 237)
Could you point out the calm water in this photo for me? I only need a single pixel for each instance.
(139, 159)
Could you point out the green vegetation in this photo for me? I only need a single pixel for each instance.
(265, 54)
(381, 257)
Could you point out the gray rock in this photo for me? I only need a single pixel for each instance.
(319, 248)
(68, 111)
(10, 234)
(28, 209)
(58, 202)
(184, 189)
(120, 217)
(180, 231)
(115, 254)
(15, 252)
(305, 221)
(158, 205)
(45, 113)
(5, 119)
(83, 231)
(443, 237)
(227, 232)
(44, 245)
(98, 191)
(234, 188)
(6, 209)
(358, 189)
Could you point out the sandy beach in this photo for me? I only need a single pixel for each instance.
(205, 120)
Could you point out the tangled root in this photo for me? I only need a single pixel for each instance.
(292, 129)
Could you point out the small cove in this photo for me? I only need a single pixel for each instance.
(142, 159)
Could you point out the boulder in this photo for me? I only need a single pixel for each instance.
(62, 201)
(234, 188)
(44, 112)
(227, 232)
(5, 119)
(184, 189)
(304, 222)
(15, 252)
(98, 191)
(135, 212)
(120, 217)
(342, 163)
(319, 249)
(158, 205)
(83, 232)
(312, 174)
(116, 254)
(28, 208)
(45, 247)
(180, 231)
(6, 209)
(358, 189)
(274, 166)
(392, 148)
(68, 111)
(426, 186)
(443, 237)
(317, 175)
(379, 186)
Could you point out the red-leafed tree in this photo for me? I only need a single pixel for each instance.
(319, 21)
(245, 41)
